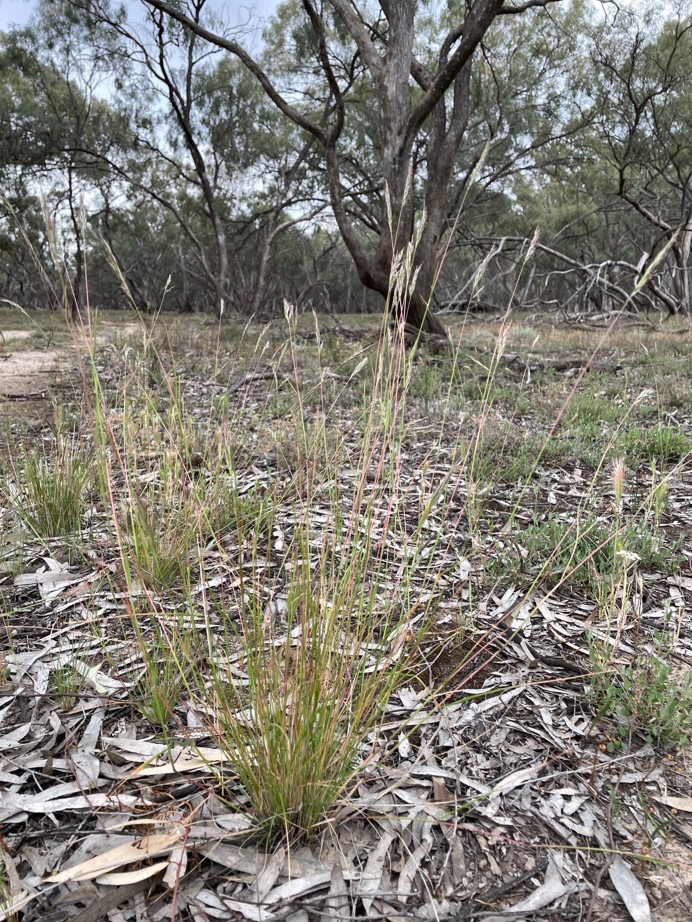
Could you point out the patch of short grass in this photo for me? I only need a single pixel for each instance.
(66, 683)
(647, 696)
(581, 551)
(588, 431)
(519, 463)
(591, 411)
(660, 444)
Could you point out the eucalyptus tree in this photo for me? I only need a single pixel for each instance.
(420, 100)
(643, 74)
(268, 165)
(525, 117)
(57, 130)
(157, 68)
(202, 143)
(610, 190)
(614, 203)
(24, 246)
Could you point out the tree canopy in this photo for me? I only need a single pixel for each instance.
(432, 136)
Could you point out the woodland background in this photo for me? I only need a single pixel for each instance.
(129, 144)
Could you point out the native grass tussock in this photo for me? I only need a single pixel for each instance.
(301, 533)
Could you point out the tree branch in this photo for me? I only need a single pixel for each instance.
(528, 5)
(476, 24)
(317, 28)
(360, 36)
(234, 48)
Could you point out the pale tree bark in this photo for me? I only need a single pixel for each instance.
(77, 284)
(686, 251)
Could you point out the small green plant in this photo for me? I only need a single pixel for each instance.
(660, 445)
(519, 464)
(66, 682)
(50, 489)
(160, 541)
(479, 469)
(589, 429)
(658, 499)
(6, 911)
(644, 697)
(156, 497)
(427, 384)
(514, 458)
(167, 663)
(592, 412)
(225, 509)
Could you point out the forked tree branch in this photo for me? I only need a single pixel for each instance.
(295, 115)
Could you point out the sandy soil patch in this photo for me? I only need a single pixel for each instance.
(30, 373)
(10, 335)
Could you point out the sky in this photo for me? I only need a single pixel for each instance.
(17, 12)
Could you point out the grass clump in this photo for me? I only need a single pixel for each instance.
(316, 685)
(581, 551)
(50, 489)
(646, 696)
(162, 541)
(591, 412)
(66, 684)
(319, 650)
(661, 445)
(165, 647)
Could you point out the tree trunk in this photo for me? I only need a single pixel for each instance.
(392, 65)
(78, 278)
(267, 236)
(420, 315)
(411, 309)
(686, 250)
(221, 277)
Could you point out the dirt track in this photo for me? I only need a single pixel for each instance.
(29, 374)
(28, 377)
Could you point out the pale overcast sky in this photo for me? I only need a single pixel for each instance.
(17, 12)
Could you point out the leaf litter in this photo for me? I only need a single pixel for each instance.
(495, 799)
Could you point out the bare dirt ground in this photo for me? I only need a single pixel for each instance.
(29, 374)
(508, 806)
(31, 379)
